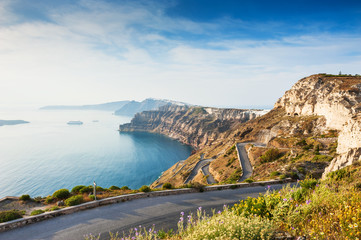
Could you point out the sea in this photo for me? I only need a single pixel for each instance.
(48, 154)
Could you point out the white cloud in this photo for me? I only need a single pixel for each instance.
(99, 52)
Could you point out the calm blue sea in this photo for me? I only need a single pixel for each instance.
(48, 154)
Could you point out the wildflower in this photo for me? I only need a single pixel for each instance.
(219, 212)
(308, 202)
(182, 213)
(199, 208)
(285, 199)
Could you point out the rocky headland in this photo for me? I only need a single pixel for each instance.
(195, 126)
(313, 129)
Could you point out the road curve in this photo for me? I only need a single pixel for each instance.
(162, 211)
(244, 161)
(196, 169)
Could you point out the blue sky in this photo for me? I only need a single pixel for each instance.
(214, 53)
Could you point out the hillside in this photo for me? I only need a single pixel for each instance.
(313, 127)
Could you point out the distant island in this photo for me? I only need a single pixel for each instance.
(12, 122)
(111, 106)
(75, 123)
(123, 108)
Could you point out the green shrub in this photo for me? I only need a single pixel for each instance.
(6, 216)
(92, 197)
(275, 173)
(283, 176)
(114, 188)
(317, 150)
(145, 188)
(88, 189)
(235, 176)
(125, 188)
(322, 158)
(308, 183)
(307, 147)
(74, 200)
(339, 174)
(49, 199)
(25, 197)
(301, 143)
(231, 150)
(54, 208)
(167, 186)
(100, 189)
(76, 189)
(61, 194)
(270, 155)
(249, 180)
(37, 212)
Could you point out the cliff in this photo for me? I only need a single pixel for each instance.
(338, 100)
(196, 126)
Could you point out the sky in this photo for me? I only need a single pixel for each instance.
(229, 53)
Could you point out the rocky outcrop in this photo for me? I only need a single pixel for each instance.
(196, 126)
(338, 100)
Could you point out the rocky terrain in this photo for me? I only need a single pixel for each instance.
(196, 126)
(312, 130)
(338, 100)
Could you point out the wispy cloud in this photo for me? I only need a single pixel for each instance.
(95, 51)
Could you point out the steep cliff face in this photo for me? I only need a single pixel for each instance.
(338, 100)
(196, 126)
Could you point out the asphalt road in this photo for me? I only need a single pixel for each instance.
(244, 160)
(163, 211)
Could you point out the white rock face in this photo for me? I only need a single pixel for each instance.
(338, 99)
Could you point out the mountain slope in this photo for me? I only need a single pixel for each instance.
(315, 122)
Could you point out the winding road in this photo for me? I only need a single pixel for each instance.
(196, 169)
(163, 211)
(247, 169)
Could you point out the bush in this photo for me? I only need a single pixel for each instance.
(92, 197)
(270, 155)
(100, 189)
(37, 212)
(167, 186)
(54, 208)
(282, 176)
(74, 200)
(145, 188)
(49, 199)
(25, 197)
(249, 180)
(61, 194)
(114, 188)
(275, 173)
(308, 183)
(6, 216)
(88, 189)
(125, 188)
(76, 189)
